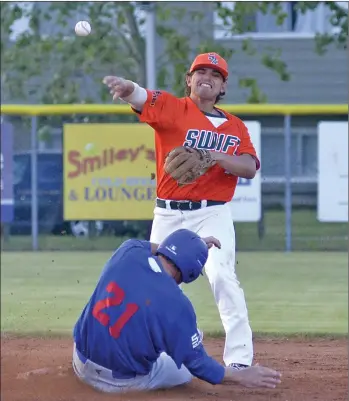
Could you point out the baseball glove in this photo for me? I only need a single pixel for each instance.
(186, 165)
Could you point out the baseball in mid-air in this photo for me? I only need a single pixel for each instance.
(89, 147)
(83, 28)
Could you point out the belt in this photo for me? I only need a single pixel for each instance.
(186, 205)
(115, 374)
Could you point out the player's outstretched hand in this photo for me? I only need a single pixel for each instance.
(118, 87)
(257, 376)
(212, 241)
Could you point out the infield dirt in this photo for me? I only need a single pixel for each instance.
(39, 369)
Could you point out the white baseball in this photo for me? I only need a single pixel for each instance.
(89, 147)
(83, 28)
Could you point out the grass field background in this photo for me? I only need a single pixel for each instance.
(286, 293)
(307, 235)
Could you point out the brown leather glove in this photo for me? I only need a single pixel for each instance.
(186, 165)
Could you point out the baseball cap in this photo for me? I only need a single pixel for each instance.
(210, 60)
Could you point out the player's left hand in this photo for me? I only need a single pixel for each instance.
(212, 241)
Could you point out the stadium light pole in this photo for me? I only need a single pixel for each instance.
(149, 8)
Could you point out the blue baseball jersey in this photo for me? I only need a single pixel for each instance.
(138, 311)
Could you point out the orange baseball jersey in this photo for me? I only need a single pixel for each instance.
(179, 122)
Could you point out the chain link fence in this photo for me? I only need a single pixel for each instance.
(269, 234)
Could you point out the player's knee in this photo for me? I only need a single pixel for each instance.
(220, 273)
(223, 280)
(214, 277)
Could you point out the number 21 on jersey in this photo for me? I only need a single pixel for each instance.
(118, 295)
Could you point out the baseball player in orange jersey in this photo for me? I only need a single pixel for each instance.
(194, 121)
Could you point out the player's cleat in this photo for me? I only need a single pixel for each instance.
(238, 366)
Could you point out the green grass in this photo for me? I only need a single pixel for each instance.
(308, 235)
(286, 293)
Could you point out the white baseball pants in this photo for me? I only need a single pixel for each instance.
(220, 270)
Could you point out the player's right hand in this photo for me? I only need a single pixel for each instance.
(118, 87)
(256, 376)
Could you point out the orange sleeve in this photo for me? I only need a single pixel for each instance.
(160, 109)
(246, 145)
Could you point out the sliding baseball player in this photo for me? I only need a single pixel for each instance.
(138, 331)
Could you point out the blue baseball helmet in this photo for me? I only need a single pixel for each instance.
(187, 251)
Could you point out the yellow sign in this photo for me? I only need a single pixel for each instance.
(109, 172)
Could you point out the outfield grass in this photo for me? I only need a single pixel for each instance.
(286, 293)
(307, 235)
